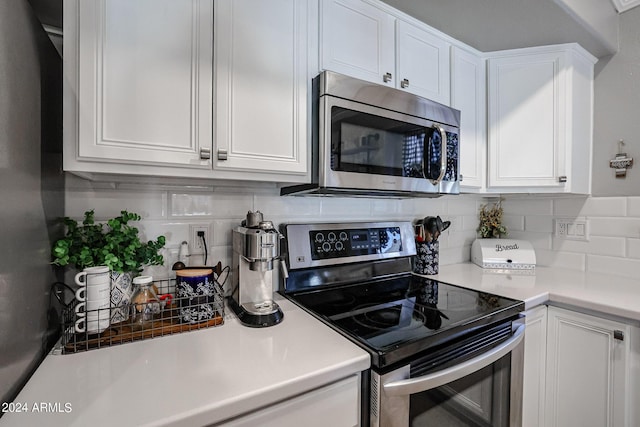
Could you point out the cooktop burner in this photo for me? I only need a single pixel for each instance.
(383, 318)
(405, 314)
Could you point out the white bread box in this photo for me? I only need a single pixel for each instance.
(505, 254)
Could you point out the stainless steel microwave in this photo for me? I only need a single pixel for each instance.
(372, 140)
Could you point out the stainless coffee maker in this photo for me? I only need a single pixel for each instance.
(256, 250)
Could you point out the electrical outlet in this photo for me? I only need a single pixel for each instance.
(572, 228)
(196, 246)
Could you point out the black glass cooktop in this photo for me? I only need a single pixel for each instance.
(404, 316)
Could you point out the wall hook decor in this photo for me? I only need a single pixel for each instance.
(621, 162)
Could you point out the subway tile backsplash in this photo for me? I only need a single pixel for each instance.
(170, 212)
(613, 246)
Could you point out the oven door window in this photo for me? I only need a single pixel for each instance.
(479, 399)
(371, 144)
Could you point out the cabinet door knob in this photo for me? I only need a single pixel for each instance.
(404, 83)
(562, 179)
(222, 154)
(387, 77)
(618, 335)
(205, 153)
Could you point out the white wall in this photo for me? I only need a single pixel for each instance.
(170, 211)
(616, 106)
(614, 222)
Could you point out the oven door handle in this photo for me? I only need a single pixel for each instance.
(445, 376)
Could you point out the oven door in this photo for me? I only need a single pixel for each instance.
(366, 147)
(485, 390)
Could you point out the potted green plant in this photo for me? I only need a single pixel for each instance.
(491, 221)
(115, 244)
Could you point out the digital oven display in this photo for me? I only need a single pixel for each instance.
(326, 244)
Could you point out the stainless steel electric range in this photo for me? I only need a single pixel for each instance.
(441, 355)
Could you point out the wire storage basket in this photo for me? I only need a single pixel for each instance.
(158, 308)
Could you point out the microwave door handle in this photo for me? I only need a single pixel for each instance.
(443, 155)
(445, 376)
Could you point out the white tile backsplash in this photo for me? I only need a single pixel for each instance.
(614, 245)
(537, 240)
(633, 249)
(592, 207)
(462, 206)
(538, 223)
(513, 222)
(109, 203)
(570, 260)
(621, 227)
(597, 245)
(633, 206)
(614, 225)
(613, 265)
(533, 206)
(171, 211)
(212, 205)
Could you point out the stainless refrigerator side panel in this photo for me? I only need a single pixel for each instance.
(31, 188)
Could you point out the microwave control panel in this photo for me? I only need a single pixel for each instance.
(326, 244)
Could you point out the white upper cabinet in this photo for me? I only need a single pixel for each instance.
(362, 40)
(262, 80)
(137, 90)
(147, 92)
(468, 94)
(357, 39)
(540, 109)
(422, 62)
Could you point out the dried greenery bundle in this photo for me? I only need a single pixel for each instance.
(491, 221)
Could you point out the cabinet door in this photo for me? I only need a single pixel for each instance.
(357, 39)
(337, 404)
(526, 120)
(143, 81)
(422, 63)
(587, 370)
(468, 94)
(261, 84)
(535, 354)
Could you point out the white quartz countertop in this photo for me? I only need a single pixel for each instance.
(604, 293)
(211, 375)
(189, 379)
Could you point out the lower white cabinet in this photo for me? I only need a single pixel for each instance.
(535, 356)
(335, 405)
(589, 379)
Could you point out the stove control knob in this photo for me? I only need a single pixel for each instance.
(343, 236)
(319, 237)
(339, 246)
(332, 237)
(326, 247)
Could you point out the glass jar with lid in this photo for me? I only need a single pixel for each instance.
(144, 303)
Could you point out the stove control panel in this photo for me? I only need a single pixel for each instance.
(329, 244)
(326, 244)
